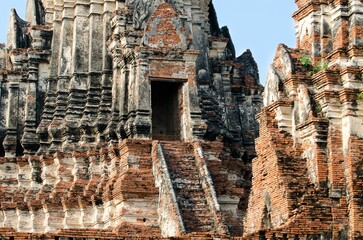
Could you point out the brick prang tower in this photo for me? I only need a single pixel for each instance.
(123, 119)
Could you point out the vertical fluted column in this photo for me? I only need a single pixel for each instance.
(10, 141)
(340, 27)
(79, 70)
(89, 117)
(123, 103)
(120, 67)
(104, 111)
(316, 36)
(200, 31)
(355, 28)
(112, 126)
(142, 123)
(326, 37)
(50, 101)
(118, 63)
(30, 139)
(191, 99)
(129, 126)
(64, 72)
(47, 116)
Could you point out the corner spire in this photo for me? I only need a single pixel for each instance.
(35, 13)
(17, 30)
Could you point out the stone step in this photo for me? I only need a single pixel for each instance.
(193, 186)
(187, 185)
(195, 222)
(198, 207)
(190, 174)
(181, 161)
(192, 227)
(195, 201)
(199, 212)
(184, 173)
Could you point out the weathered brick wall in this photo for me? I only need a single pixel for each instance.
(354, 178)
(311, 131)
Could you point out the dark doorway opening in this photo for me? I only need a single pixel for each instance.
(2, 150)
(166, 104)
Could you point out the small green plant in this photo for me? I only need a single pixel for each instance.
(360, 95)
(305, 60)
(320, 66)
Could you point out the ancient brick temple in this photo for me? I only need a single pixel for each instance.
(135, 119)
(308, 175)
(122, 119)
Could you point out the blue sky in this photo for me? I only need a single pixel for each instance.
(259, 25)
(6, 5)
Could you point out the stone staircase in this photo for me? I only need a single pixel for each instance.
(194, 209)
